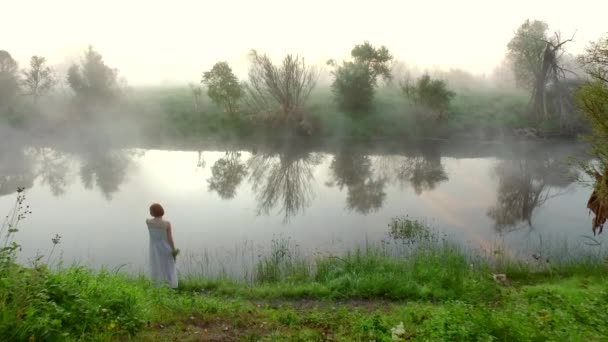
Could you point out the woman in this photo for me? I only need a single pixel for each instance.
(162, 248)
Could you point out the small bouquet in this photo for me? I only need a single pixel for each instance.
(175, 253)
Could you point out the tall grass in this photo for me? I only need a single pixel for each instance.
(414, 263)
(283, 263)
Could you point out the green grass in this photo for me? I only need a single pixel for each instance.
(360, 295)
(472, 113)
(416, 286)
(479, 113)
(488, 111)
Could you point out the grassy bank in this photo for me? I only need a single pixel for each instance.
(420, 286)
(475, 113)
(175, 113)
(436, 295)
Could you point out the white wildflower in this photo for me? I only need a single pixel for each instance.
(398, 332)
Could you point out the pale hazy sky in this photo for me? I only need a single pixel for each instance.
(152, 42)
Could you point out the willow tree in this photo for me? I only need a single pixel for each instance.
(279, 92)
(593, 100)
(536, 61)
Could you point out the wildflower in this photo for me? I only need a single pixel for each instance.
(398, 332)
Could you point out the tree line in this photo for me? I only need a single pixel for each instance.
(278, 92)
(93, 83)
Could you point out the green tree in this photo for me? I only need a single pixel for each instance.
(355, 81)
(93, 82)
(353, 87)
(525, 51)
(39, 79)
(223, 87)
(593, 101)
(595, 60)
(9, 82)
(432, 94)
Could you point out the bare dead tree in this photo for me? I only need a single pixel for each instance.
(550, 70)
(279, 92)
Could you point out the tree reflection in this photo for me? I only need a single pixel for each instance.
(200, 162)
(53, 169)
(226, 175)
(283, 180)
(367, 196)
(523, 186)
(354, 171)
(423, 172)
(16, 170)
(105, 169)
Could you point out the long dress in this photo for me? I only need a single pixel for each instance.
(162, 262)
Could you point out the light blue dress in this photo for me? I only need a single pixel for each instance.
(162, 263)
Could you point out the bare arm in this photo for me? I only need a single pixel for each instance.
(170, 237)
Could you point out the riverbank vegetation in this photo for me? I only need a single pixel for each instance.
(593, 99)
(369, 96)
(416, 285)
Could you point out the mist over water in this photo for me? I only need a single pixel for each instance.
(337, 121)
(227, 202)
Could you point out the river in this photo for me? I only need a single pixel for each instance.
(227, 203)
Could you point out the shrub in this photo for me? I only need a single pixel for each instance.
(431, 94)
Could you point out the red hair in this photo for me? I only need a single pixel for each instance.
(156, 210)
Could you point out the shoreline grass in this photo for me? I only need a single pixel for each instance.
(361, 295)
(420, 286)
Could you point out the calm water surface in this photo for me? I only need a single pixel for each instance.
(229, 204)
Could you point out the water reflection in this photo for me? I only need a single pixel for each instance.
(16, 170)
(283, 180)
(105, 169)
(200, 162)
(524, 185)
(424, 173)
(365, 193)
(226, 175)
(53, 169)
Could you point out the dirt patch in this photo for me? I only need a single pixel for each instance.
(211, 329)
(314, 304)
